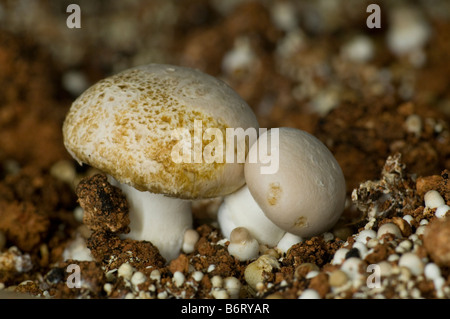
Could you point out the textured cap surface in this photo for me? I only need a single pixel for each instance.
(123, 125)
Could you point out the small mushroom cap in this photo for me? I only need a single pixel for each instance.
(306, 195)
(124, 125)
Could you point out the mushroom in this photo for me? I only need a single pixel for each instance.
(303, 197)
(242, 245)
(128, 126)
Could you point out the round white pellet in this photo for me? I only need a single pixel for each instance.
(408, 31)
(433, 199)
(130, 295)
(111, 275)
(144, 295)
(327, 236)
(413, 124)
(424, 222)
(421, 230)
(438, 283)
(385, 268)
(78, 213)
(400, 250)
(2, 240)
(216, 281)
(191, 237)
(309, 294)
(441, 211)
(211, 268)
(284, 15)
(197, 275)
(155, 275)
(352, 267)
(415, 293)
(406, 244)
(361, 248)
(245, 251)
(138, 278)
(366, 235)
(75, 82)
(372, 243)
(359, 49)
(162, 295)
(389, 228)
(412, 262)
(408, 218)
(220, 294)
(287, 241)
(232, 286)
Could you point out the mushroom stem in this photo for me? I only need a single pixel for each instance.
(239, 209)
(158, 219)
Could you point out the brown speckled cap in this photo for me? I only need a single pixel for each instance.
(123, 126)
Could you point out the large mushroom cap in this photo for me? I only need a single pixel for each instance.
(123, 125)
(305, 196)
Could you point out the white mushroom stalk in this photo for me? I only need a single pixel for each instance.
(152, 128)
(231, 216)
(241, 210)
(242, 244)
